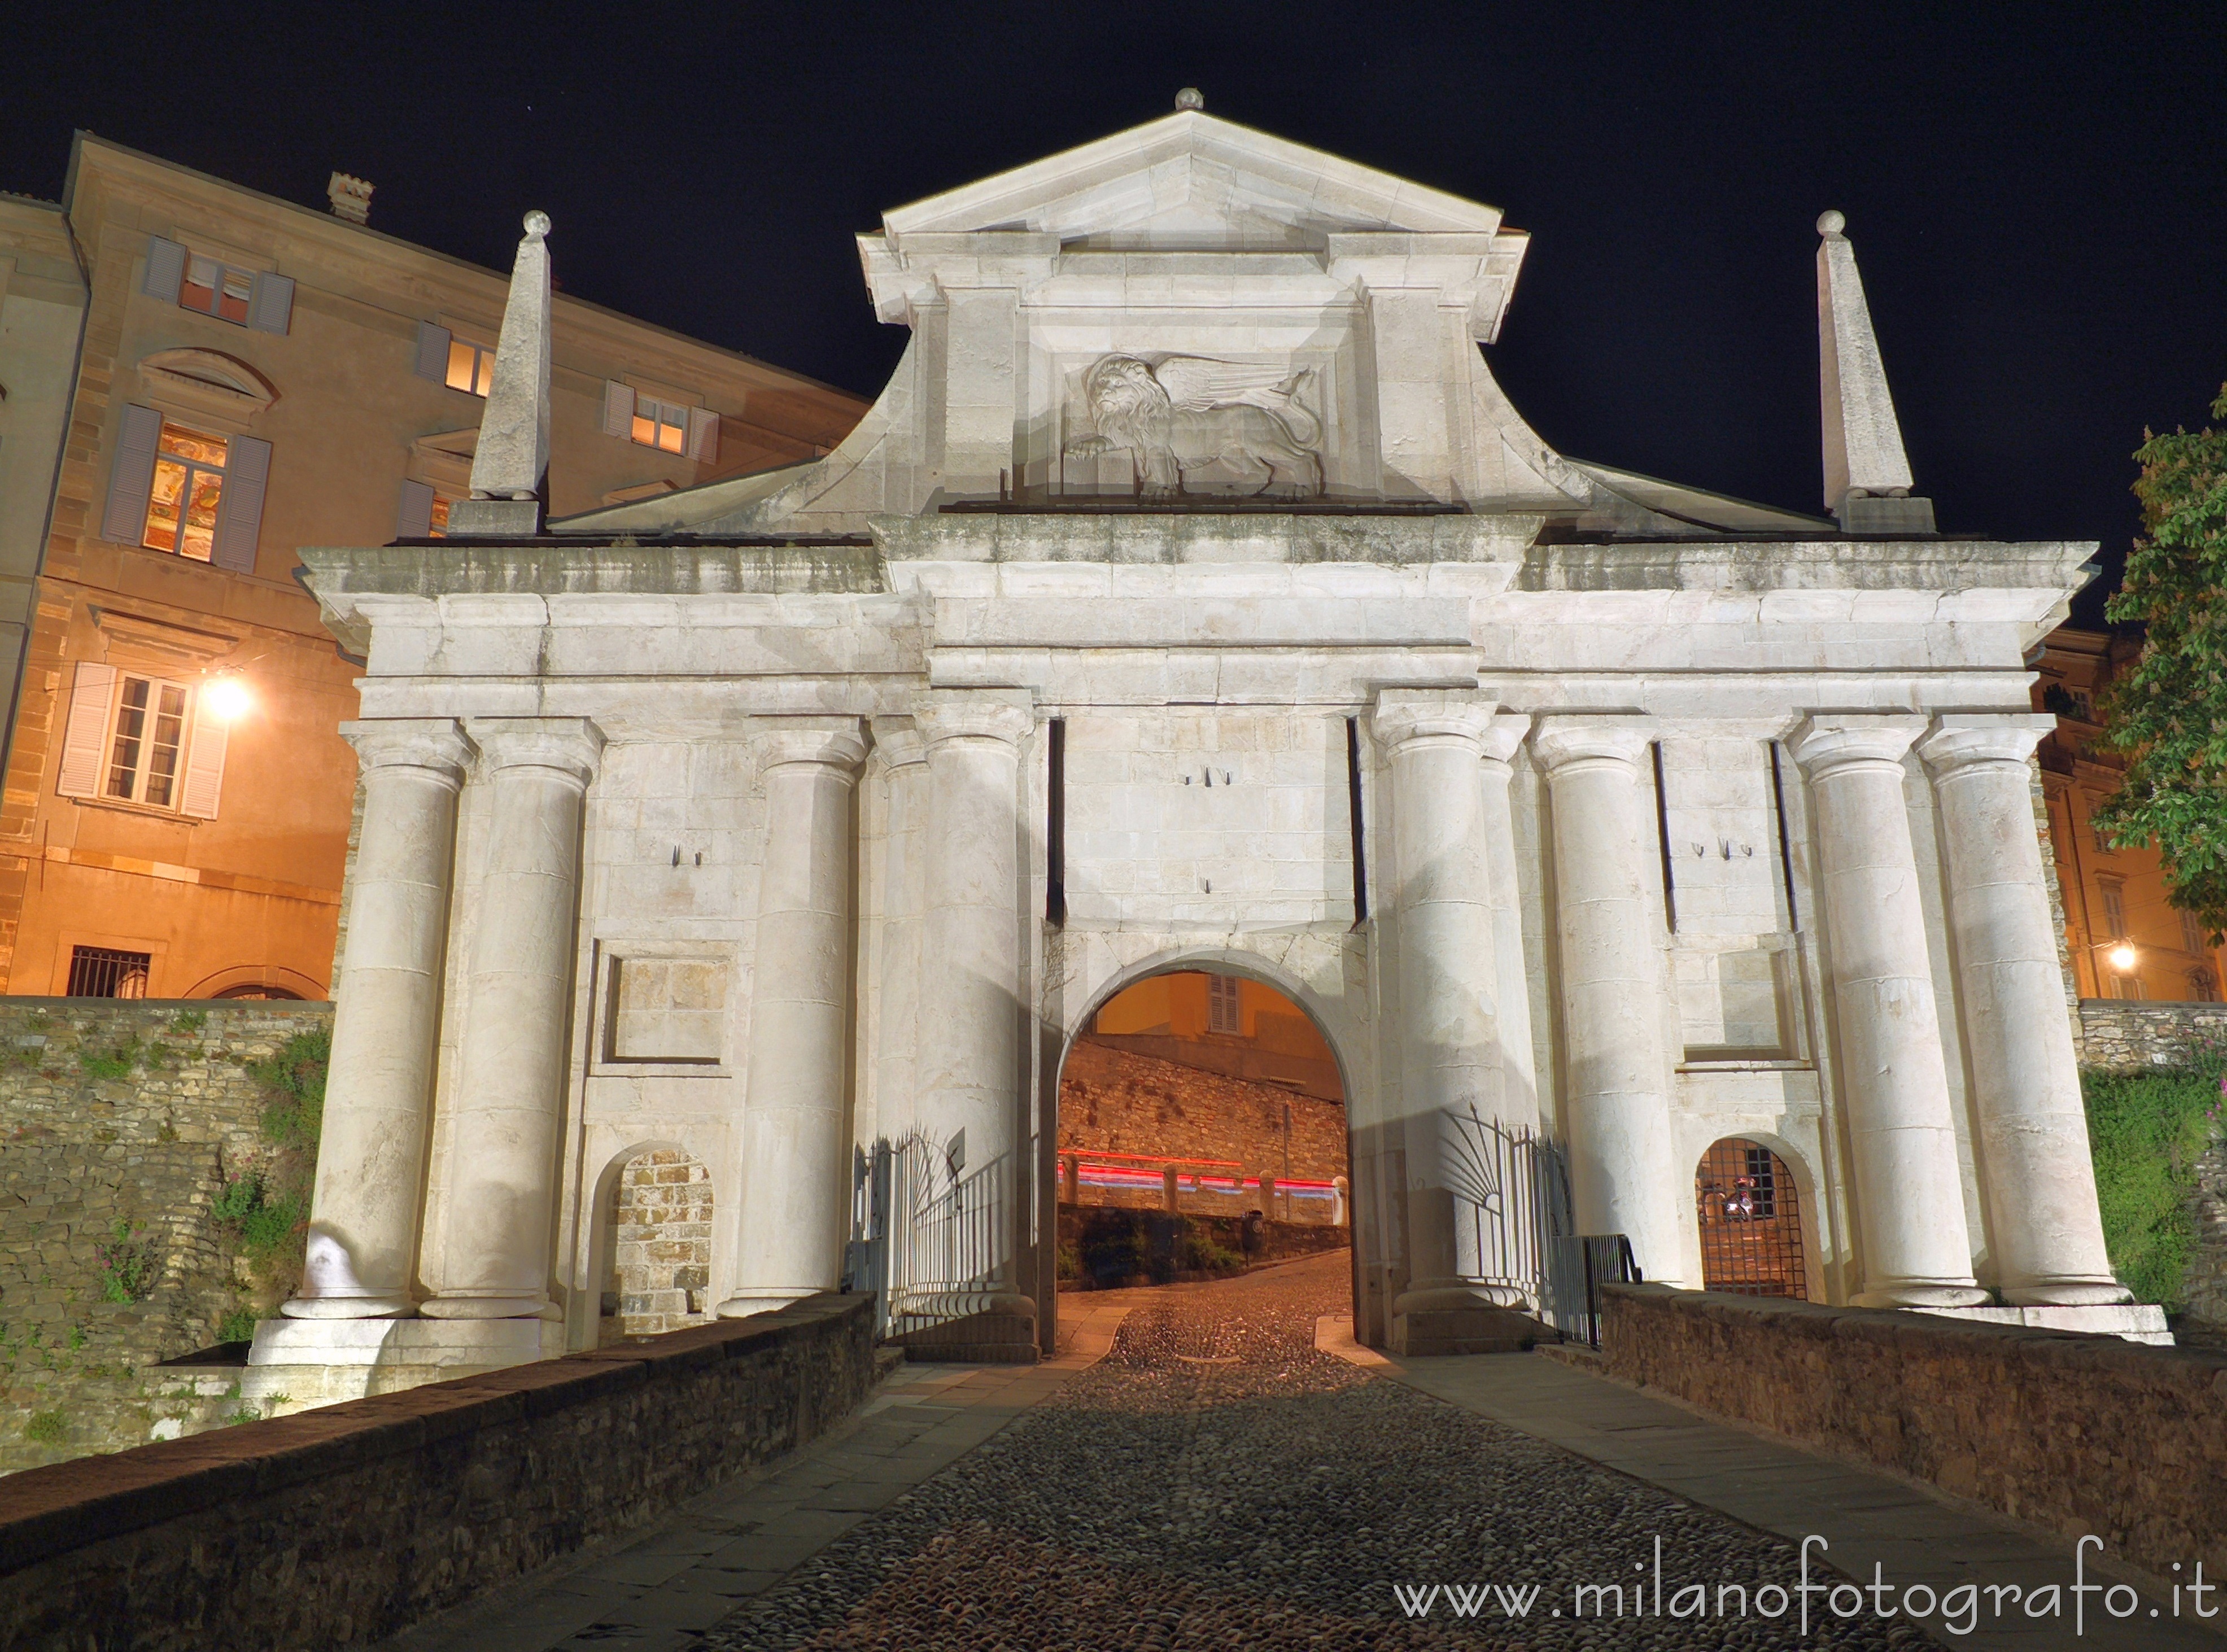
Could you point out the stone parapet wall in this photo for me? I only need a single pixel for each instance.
(2117, 1036)
(2076, 1433)
(119, 1113)
(349, 1524)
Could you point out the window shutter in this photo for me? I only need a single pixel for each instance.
(271, 303)
(618, 408)
(413, 517)
(703, 436)
(132, 477)
(432, 353)
(166, 268)
(204, 764)
(85, 736)
(239, 511)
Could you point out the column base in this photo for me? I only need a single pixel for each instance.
(490, 1308)
(347, 1307)
(298, 1364)
(2067, 1293)
(1457, 1317)
(1921, 1293)
(771, 1300)
(2132, 1322)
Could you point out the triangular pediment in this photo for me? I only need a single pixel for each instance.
(1192, 182)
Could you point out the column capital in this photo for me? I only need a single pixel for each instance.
(1960, 739)
(898, 740)
(1569, 740)
(830, 741)
(1504, 736)
(1000, 714)
(1825, 742)
(571, 746)
(435, 744)
(1438, 715)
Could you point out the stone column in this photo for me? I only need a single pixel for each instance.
(1916, 1250)
(905, 761)
(1519, 1066)
(1447, 1028)
(2035, 1170)
(972, 1018)
(1623, 1168)
(378, 1088)
(796, 1156)
(510, 1065)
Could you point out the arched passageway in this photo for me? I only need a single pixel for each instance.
(1750, 1212)
(1202, 1129)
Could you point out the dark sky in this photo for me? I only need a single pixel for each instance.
(2038, 193)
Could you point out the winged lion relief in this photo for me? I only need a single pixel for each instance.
(1187, 413)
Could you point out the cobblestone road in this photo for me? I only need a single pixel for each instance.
(1217, 1482)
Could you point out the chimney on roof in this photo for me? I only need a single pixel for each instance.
(351, 197)
(1868, 478)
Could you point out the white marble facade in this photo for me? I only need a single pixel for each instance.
(722, 821)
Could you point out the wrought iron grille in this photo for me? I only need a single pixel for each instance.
(105, 972)
(1578, 1264)
(1751, 1219)
(1511, 1194)
(927, 1233)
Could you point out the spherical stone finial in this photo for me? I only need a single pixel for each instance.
(1191, 98)
(1831, 223)
(536, 225)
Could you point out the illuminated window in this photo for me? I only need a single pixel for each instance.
(471, 367)
(438, 528)
(216, 289)
(660, 425)
(108, 973)
(145, 739)
(188, 482)
(1223, 1001)
(2115, 909)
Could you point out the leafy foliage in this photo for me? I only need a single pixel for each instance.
(295, 1077)
(267, 1207)
(46, 1428)
(2146, 1132)
(238, 1326)
(127, 1264)
(2168, 714)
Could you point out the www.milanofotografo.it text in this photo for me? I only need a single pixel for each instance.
(1814, 1597)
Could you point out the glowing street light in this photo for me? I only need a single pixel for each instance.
(2121, 958)
(227, 699)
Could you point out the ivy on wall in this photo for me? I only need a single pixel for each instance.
(266, 1208)
(2146, 1132)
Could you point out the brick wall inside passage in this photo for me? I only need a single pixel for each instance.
(2067, 1430)
(661, 1245)
(1116, 1101)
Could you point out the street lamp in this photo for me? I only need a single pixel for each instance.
(2121, 958)
(227, 699)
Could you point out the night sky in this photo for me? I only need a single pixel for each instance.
(2037, 195)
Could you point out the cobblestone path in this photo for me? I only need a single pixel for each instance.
(1217, 1482)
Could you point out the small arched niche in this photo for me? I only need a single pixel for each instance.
(658, 1271)
(1750, 1212)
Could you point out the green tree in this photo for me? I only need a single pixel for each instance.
(2169, 713)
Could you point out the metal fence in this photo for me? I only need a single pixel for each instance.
(1511, 1195)
(927, 1233)
(1578, 1264)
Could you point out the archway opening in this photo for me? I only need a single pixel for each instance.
(1750, 1212)
(657, 1249)
(1202, 1131)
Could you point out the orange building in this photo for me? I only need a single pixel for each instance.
(247, 376)
(2127, 942)
(1221, 1023)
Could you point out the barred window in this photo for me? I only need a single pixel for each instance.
(108, 973)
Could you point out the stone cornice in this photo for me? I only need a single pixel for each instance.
(1807, 564)
(1206, 537)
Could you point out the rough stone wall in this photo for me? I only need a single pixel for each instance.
(1115, 1101)
(2074, 1433)
(116, 1112)
(661, 1251)
(350, 1523)
(2119, 1037)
